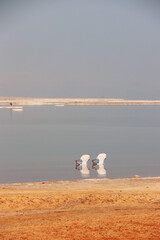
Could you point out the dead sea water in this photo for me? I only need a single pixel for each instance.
(41, 143)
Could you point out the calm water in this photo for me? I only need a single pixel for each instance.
(42, 142)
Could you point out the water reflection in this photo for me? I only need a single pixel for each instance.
(84, 170)
(97, 164)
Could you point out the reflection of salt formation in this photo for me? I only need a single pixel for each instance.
(98, 164)
(81, 165)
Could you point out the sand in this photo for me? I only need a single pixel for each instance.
(83, 209)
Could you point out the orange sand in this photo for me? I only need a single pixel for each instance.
(85, 209)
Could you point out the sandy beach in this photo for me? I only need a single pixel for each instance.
(82, 209)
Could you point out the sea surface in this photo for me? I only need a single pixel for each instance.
(41, 143)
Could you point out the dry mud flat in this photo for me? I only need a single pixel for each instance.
(83, 209)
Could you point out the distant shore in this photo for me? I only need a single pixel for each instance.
(21, 101)
(82, 209)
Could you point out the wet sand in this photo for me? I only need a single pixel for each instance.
(16, 101)
(83, 209)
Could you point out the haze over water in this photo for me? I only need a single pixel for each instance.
(42, 142)
(80, 48)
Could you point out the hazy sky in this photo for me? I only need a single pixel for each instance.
(80, 48)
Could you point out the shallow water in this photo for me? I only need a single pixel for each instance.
(42, 142)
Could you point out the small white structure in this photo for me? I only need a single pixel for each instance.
(17, 109)
(81, 165)
(99, 160)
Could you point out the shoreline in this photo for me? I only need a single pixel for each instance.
(79, 181)
(20, 101)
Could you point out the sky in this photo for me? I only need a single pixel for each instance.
(86, 48)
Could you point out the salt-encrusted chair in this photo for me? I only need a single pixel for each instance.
(81, 165)
(99, 160)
